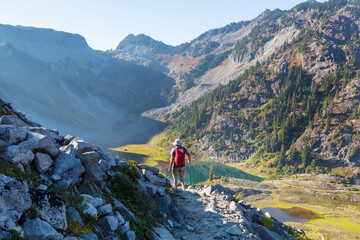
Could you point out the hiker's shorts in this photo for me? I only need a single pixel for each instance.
(180, 170)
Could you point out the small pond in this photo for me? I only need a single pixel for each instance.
(294, 214)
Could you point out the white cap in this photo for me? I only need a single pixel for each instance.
(177, 142)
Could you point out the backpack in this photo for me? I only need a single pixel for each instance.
(180, 157)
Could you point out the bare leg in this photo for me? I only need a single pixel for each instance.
(175, 181)
(182, 184)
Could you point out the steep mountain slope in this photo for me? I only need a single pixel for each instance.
(215, 57)
(60, 81)
(295, 112)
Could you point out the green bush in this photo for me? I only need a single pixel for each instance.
(14, 235)
(89, 220)
(2, 149)
(354, 151)
(126, 189)
(239, 197)
(14, 171)
(267, 222)
(225, 179)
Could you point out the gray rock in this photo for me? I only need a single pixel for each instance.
(49, 208)
(236, 207)
(68, 139)
(118, 206)
(174, 212)
(43, 143)
(142, 186)
(74, 215)
(86, 197)
(105, 210)
(130, 235)
(12, 135)
(220, 235)
(89, 209)
(36, 229)
(80, 145)
(14, 201)
(42, 162)
(90, 189)
(266, 234)
(97, 202)
(42, 187)
(88, 156)
(151, 189)
(153, 170)
(50, 133)
(18, 154)
(121, 220)
(166, 206)
(23, 152)
(12, 120)
(107, 157)
(68, 150)
(161, 191)
(70, 238)
(63, 184)
(164, 233)
(190, 228)
(109, 223)
(244, 204)
(111, 238)
(4, 235)
(208, 190)
(55, 178)
(104, 165)
(67, 167)
(234, 230)
(155, 236)
(125, 228)
(122, 164)
(154, 179)
(4, 144)
(93, 172)
(89, 236)
(47, 180)
(171, 223)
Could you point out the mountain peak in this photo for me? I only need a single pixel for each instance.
(43, 43)
(146, 41)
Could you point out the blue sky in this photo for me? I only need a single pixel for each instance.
(104, 23)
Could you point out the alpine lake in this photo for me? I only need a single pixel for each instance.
(198, 170)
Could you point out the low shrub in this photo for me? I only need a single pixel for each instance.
(267, 222)
(14, 171)
(126, 189)
(239, 197)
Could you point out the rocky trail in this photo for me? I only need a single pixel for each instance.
(210, 212)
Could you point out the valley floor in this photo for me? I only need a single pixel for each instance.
(337, 206)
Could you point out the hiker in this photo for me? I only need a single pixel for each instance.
(177, 162)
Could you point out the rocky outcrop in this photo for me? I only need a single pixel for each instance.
(68, 179)
(14, 201)
(214, 214)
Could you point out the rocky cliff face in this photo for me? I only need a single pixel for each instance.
(55, 187)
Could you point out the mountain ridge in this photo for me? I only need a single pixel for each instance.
(295, 111)
(60, 81)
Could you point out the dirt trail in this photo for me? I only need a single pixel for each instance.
(207, 217)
